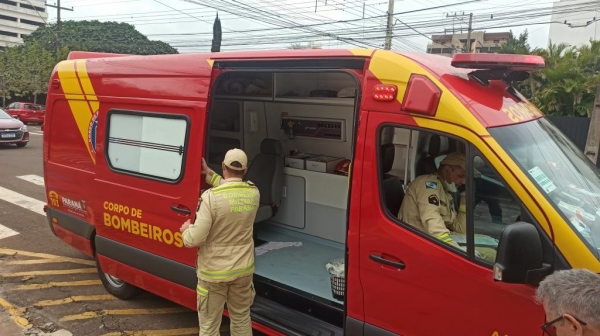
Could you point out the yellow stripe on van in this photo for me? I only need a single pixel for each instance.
(392, 68)
(86, 84)
(80, 107)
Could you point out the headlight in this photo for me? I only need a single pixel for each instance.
(24, 128)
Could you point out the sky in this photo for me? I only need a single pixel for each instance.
(260, 24)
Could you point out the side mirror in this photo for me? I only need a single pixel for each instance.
(520, 257)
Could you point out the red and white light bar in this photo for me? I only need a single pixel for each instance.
(498, 62)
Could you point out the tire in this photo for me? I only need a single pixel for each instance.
(116, 286)
(21, 144)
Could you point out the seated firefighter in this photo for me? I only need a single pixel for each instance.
(429, 205)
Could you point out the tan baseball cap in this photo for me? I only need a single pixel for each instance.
(236, 159)
(458, 159)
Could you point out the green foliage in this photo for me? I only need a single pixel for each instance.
(25, 70)
(96, 36)
(517, 45)
(567, 86)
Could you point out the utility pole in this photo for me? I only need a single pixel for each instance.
(390, 25)
(58, 21)
(469, 33)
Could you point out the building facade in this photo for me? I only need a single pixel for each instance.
(19, 18)
(481, 42)
(574, 22)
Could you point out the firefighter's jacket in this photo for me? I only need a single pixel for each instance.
(223, 229)
(429, 207)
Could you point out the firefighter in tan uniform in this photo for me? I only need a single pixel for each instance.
(223, 232)
(429, 206)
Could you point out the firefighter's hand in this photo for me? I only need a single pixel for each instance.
(185, 226)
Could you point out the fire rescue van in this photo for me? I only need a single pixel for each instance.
(333, 137)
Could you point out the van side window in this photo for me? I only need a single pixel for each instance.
(413, 194)
(147, 144)
(494, 208)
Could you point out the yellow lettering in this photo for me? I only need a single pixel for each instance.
(105, 205)
(135, 227)
(144, 230)
(106, 219)
(136, 213)
(125, 224)
(167, 236)
(116, 222)
(157, 233)
(178, 239)
(139, 213)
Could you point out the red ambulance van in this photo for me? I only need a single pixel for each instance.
(125, 135)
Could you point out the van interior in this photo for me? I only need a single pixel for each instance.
(298, 129)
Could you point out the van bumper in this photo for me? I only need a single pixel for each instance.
(74, 231)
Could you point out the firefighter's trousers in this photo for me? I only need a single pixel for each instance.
(239, 296)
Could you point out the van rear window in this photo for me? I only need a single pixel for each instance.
(147, 144)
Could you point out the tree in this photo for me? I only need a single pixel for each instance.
(217, 34)
(96, 36)
(516, 45)
(28, 69)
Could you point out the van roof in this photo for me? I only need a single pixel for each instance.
(491, 105)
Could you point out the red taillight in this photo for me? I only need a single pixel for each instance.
(497, 61)
(422, 96)
(55, 83)
(385, 92)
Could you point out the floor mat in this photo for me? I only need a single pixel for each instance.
(301, 267)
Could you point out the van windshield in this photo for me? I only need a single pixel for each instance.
(568, 179)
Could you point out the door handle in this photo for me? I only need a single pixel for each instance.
(181, 209)
(381, 260)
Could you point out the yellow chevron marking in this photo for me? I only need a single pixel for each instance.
(59, 284)
(50, 272)
(49, 257)
(15, 314)
(164, 332)
(78, 298)
(94, 314)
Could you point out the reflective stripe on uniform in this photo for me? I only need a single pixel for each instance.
(230, 186)
(220, 275)
(445, 237)
(214, 179)
(201, 291)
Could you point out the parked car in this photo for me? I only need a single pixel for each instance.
(27, 112)
(12, 131)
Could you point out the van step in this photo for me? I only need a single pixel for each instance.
(290, 322)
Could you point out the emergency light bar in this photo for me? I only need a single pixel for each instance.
(498, 62)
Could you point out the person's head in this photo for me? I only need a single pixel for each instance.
(235, 164)
(452, 169)
(571, 300)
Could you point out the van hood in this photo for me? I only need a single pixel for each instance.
(10, 123)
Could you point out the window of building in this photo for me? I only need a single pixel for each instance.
(7, 2)
(147, 144)
(6, 33)
(38, 9)
(33, 23)
(8, 18)
(496, 41)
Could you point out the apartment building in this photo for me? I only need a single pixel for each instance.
(19, 18)
(481, 42)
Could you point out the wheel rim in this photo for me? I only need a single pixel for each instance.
(114, 281)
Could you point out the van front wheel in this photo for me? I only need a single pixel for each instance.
(116, 286)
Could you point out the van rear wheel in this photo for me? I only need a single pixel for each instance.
(116, 286)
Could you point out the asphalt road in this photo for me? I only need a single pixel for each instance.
(46, 284)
